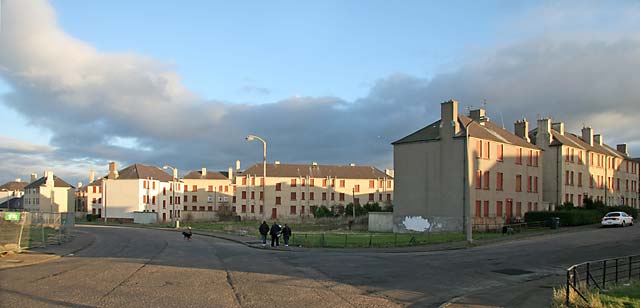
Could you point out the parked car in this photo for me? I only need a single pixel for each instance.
(617, 219)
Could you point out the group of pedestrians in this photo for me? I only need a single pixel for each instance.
(275, 232)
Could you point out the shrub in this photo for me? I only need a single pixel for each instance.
(372, 207)
(93, 217)
(388, 208)
(359, 210)
(623, 208)
(574, 217)
(322, 211)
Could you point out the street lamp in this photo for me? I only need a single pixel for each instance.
(173, 193)
(264, 171)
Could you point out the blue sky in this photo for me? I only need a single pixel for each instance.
(330, 81)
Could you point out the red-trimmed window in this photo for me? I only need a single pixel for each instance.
(244, 181)
(498, 208)
(324, 196)
(342, 183)
(244, 195)
(356, 188)
(499, 180)
(312, 183)
(278, 186)
(293, 196)
(278, 200)
(371, 197)
(486, 208)
(500, 152)
(486, 180)
(478, 208)
(292, 210)
(341, 196)
(293, 183)
(518, 183)
(478, 179)
(311, 196)
(519, 156)
(372, 184)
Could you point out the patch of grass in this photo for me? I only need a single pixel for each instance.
(619, 296)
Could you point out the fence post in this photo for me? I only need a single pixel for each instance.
(616, 270)
(604, 273)
(568, 288)
(588, 274)
(345, 240)
(370, 237)
(575, 278)
(23, 217)
(59, 228)
(630, 268)
(395, 239)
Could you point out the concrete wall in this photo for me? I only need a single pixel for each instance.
(144, 217)
(381, 221)
(188, 216)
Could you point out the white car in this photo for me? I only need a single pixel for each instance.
(617, 219)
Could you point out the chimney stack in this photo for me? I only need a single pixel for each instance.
(113, 171)
(598, 139)
(587, 135)
(18, 180)
(521, 129)
(204, 172)
(622, 148)
(314, 163)
(277, 162)
(238, 165)
(559, 127)
(230, 173)
(79, 185)
(49, 178)
(479, 115)
(544, 132)
(449, 125)
(92, 176)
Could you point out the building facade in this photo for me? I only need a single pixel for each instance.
(10, 191)
(49, 194)
(294, 190)
(464, 170)
(206, 194)
(581, 166)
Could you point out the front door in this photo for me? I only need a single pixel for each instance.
(164, 217)
(509, 209)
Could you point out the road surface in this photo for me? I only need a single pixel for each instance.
(134, 267)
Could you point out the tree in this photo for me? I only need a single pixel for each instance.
(322, 211)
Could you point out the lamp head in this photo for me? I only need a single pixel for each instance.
(165, 167)
(250, 137)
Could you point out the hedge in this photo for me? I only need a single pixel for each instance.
(623, 208)
(574, 217)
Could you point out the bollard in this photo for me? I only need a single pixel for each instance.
(345, 240)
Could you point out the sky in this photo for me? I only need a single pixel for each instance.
(83, 83)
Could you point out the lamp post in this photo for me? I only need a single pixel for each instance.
(353, 196)
(264, 171)
(173, 192)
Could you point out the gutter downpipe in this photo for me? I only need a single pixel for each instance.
(466, 213)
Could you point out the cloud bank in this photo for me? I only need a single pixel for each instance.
(130, 108)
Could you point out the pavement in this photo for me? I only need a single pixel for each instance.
(133, 267)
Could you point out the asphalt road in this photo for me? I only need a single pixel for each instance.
(132, 267)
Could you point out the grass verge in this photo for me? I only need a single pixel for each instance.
(619, 296)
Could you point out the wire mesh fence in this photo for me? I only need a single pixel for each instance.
(24, 230)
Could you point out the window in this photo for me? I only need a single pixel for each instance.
(253, 195)
(536, 158)
(210, 188)
(302, 197)
(478, 148)
(261, 181)
(244, 208)
(486, 180)
(580, 161)
(164, 204)
(518, 183)
(195, 188)
(478, 179)
(233, 199)
(499, 152)
(572, 154)
(94, 189)
(304, 182)
(487, 150)
(253, 181)
(389, 197)
(244, 181)
(293, 196)
(498, 208)
(499, 180)
(530, 158)
(356, 188)
(324, 182)
(529, 184)
(292, 211)
(194, 198)
(278, 186)
(164, 191)
(342, 183)
(486, 208)
(519, 156)
(579, 179)
(333, 196)
(371, 197)
(567, 155)
(389, 184)
(312, 183)
(356, 200)
(244, 195)
(226, 188)
(144, 199)
(341, 196)
(302, 210)
(571, 178)
(379, 197)
(311, 196)
(262, 195)
(144, 184)
(478, 206)
(153, 200)
(518, 209)
(372, 183)
(278, 200)
(535, 184)
(566, 178)
(324, 196)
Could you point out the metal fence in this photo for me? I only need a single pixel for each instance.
(24, 230)
(599, 274)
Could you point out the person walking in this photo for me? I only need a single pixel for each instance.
(275, 230)
(264, 230)
(286, 233)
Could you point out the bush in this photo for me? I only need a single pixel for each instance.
(322, 211)
(93, 217)
(623, 208)
(359, 210)
(372, 207)
(574, 217)
(388, 208)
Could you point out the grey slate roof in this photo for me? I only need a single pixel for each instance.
(487, 130)
(140, 171)
(317, 171)
(13, 186)
(211, 175)
(57, 182)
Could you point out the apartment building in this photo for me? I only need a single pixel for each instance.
(11, 190)
(294, 190)
(138, 188)
(206, 193)
(49, 194)
(580, 166)
(465, 167)
(89, 197)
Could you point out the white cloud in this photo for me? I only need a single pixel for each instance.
(105, 106)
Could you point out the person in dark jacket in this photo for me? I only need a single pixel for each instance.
(286, 233)
(275, 230)
(264, 230)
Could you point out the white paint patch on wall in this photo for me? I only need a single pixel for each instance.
(416, 223)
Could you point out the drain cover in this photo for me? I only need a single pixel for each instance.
(512, 271)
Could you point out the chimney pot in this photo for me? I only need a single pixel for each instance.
(449, 125)
(230, 173)
(34, 176)
(587, 135)
(204, 172)
(521, 129)
(237, 164)
(479, 115)
(559, 127)
(622, 148)
(92, 176)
